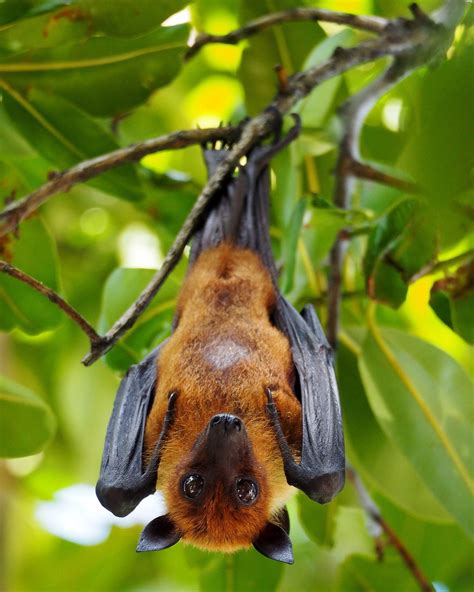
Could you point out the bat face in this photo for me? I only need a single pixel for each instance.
(221, 494)
(218, 494)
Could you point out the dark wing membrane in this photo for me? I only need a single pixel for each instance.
(123, 482)
(320, 473)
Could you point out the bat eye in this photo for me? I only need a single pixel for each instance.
(192, 486)
(247, 491)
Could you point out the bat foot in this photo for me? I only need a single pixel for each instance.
(172, 401)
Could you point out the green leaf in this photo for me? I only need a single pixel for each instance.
(462, 313)
(129, 19)
(121, 289)
(323, 229)
(103, 64)
(439, 154)
(11, 10)
(452, 298)
(66, 135)
(317, 107)
(375, 456)
(400, 244)
(286, 191)
(439, 549)
(385, 285)
(40, 27)
(351, 536)
(12, 144)
(422, 400)
(26, 422)
(359, 574)
(290, 245)
(287, 44)
(245, 570)
(20, 305)
(317, 520)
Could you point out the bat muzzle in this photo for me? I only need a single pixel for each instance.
(225, 423)
(226, 439)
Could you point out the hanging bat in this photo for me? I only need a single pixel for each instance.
(239, 404)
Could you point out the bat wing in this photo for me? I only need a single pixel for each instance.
(321, 471)
(123, 480)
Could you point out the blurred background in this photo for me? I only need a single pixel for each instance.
(408, 417)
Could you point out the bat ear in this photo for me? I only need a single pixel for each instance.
(282, 519)
(159, 534)
(274, 543)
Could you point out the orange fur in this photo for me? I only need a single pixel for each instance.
(220, 359)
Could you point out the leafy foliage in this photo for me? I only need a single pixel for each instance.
(79, 78)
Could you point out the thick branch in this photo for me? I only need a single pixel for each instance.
(374, 514)
(373, 24)
(353, 114)
(14, 213)
(53, 297)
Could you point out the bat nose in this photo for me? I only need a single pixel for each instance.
(225, 422)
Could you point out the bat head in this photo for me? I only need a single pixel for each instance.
(218, 498)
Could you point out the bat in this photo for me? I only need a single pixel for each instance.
(240, 404)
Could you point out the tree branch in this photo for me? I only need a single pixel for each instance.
(17, 211)
(353, 114)
(369, 173)
(372, 24)
(408, 42)
(401, 38)
(438, 266)
(375, 516)
(53, 297)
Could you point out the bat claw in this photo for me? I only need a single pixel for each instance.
(172, 400)
(269, 394)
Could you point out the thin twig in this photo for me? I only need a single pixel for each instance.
(365, 171)
(373, 513)
(18, 210)
(53, 297)
(372, 24)
(322, 300)
(438, 266)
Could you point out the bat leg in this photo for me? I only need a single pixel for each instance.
(289, 463)
(319, 487)
(261, 156)
(152, 468)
